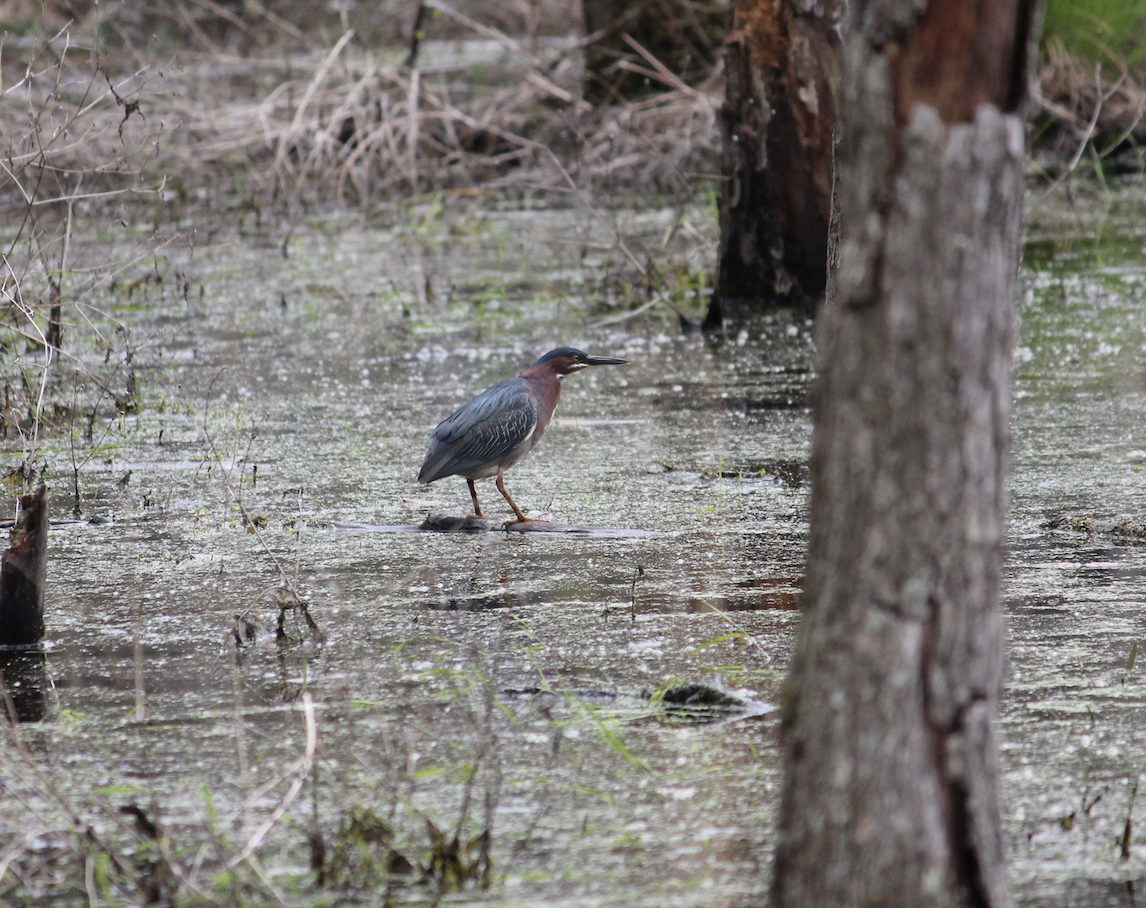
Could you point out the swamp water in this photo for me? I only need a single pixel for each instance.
(509, 683)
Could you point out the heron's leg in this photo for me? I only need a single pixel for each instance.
(521, 518)
(474, 496)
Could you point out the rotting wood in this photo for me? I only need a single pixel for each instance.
(891, 779)
(777, 126)
(23, 573)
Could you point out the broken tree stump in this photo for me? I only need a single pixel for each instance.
(23, 574)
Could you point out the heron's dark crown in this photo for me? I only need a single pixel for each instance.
(562, 353)
(564, 360)
(559, 363)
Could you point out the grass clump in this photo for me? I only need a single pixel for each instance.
(1093, 79)
(1099, 30)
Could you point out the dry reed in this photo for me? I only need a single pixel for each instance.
(352, 125)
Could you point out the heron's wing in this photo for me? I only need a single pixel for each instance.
(485, 430)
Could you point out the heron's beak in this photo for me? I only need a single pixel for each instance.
(606, 361)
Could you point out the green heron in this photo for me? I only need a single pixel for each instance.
(500, 426)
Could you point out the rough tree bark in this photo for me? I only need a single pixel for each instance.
(23, 574)
(777, 124)
(891, 782)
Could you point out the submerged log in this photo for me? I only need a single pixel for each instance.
(440, 522)
(23, 573)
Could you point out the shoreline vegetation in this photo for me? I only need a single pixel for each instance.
(291, 122)
(197, 105)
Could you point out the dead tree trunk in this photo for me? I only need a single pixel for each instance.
(777, 123)
(23, 573)
(891, 782)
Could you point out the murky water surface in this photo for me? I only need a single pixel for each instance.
(510, 682)
(1074, 722)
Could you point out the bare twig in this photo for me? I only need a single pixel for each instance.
(1102, 97)
(319, 77)
(298, 774)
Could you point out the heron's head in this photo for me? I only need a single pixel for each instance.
(565, 360)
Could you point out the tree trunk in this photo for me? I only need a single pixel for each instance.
(23, 574)
(777, 124)
(891, 782)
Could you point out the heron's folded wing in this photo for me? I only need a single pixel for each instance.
(485, 430)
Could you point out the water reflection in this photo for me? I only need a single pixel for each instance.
(24, 673)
